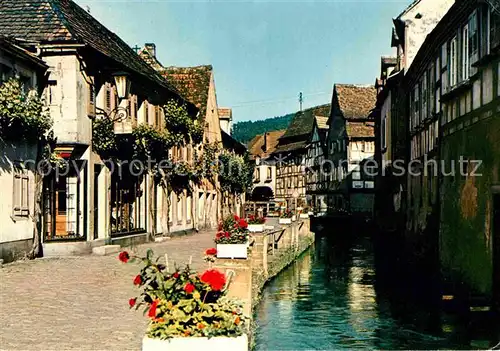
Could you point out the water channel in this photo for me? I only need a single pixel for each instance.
(330, 299)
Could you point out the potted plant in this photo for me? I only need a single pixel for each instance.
(186, 310)
(286, 217)
(232, 238)
(256, 223)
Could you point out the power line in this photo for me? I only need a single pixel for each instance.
(270, 101)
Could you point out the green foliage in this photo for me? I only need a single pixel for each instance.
(235, 173)
(149, 143)
(104, 140)
(246, 131)
(184, 303)
(22, 115)
(232, 230)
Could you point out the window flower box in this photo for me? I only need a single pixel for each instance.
(239, 343)
(285, 221)
(232, 250)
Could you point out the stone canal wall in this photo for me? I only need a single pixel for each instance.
(270, 252)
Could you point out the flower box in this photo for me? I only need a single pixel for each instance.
(304, 215)
(256, 228)
(232, 250)
(285, 221)
(239, 343)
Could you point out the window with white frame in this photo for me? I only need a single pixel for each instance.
(20, 198)
(444, 67)
(453, 62)
(465, 53)
(416, 111)
(432, 91)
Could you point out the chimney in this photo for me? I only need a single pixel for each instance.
(151, 47)
(264, 147)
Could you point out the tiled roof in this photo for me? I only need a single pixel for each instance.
(225, 113)
(229, 143)
(291, 146)
(356, 101)
(302, 123)
(360, 129)
(256, 145)
(63, 21)
(322, 122)
(192, 82)
(13, 49)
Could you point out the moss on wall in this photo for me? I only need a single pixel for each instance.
(465, 233)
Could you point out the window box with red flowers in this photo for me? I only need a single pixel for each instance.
(186, 310)
(256, 224)
(232, 238)
(286, 217)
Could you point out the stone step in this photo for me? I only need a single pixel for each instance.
(106, 250)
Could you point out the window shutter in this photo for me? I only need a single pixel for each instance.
(91, 97)
(107, 98)
(16, 198)
(25, 194)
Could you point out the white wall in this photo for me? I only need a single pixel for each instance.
(68, 102)
(12, 229)
(417, 28)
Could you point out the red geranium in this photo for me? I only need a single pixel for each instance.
(124, 256)
(211, 251)
(132, 302)
(138, 280)
(175, 275)
(152, 308)
(189, 288)
(236, 218)
(220, 227)
(243, 224)
(227, 234)
(214, 278)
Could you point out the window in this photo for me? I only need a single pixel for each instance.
(494, 29)
(432, 91)
(484, 26)
(416, 111)
(424, 97)
(157, 116)
(473, 38)
(356, 175)
(384, 132)
(146, 112)
(20, 199)
(444, 67)
(256, 178)
(465, 53)
(180, 199)
(269, 173)
(132, 107)
(453, 62)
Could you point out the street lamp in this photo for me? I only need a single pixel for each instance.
(122, 81)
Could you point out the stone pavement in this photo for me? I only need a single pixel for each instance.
(81, 303)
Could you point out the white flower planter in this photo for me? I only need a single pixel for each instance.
(232, 250)
(285, 221)
(294, 218)
(311, 213)
(304, 215)
(256, 228)
(221, 343)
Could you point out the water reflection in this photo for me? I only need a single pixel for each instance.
(329, 299)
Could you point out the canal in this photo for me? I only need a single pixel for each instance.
(332, 298)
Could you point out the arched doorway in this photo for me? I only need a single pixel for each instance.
(262, 193)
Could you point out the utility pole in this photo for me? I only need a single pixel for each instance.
(301, 100)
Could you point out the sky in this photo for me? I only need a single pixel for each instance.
(263, 52)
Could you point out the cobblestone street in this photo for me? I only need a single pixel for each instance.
(81, 303)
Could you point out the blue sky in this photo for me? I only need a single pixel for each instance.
(263, 52)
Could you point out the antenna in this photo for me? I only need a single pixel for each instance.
(301, 100)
